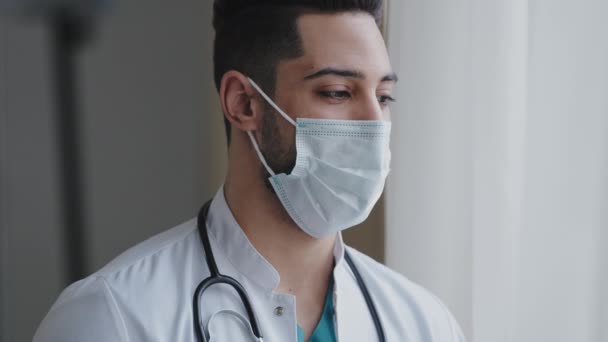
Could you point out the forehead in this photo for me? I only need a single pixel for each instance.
(344, 40)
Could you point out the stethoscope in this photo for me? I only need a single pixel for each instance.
(217, 278)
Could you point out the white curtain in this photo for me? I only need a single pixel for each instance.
(498, 196)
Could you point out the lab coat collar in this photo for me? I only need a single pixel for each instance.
(235, 245)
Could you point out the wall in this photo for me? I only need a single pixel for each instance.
(148, 116)
(32, 272)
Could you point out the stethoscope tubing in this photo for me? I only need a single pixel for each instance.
(217, 278)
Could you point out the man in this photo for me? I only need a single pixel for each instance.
(305, 88)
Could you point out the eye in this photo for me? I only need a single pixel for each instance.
(335, 95)
(385, 99)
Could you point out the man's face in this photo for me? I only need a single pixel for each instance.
(344, 74)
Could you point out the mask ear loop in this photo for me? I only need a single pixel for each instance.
(257, 150)
(283, 114)
(280, 111)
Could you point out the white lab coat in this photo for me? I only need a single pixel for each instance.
(146, 293)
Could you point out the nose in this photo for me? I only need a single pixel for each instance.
(370, 109)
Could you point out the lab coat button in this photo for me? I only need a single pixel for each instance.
(278, 311)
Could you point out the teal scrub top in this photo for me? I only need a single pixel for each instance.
(324, 332)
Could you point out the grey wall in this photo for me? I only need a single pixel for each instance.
(31, 271)
(149, 115)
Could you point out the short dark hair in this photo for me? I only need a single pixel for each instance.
(252, 36)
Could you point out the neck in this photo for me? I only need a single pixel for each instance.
(303, 262)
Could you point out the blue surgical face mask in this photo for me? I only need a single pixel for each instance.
(340, 171)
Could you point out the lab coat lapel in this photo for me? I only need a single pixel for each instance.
(353, 319)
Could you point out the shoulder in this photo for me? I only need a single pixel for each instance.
(103, 304)
(406, 302)
(378, 273)
(158, 246)
(154, 266)
(84, 310)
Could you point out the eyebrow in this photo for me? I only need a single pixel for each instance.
(392, 77)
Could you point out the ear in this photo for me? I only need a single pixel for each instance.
(239, 102)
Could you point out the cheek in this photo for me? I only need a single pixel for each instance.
(285, 132)
(288, 135)
(387, 115)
